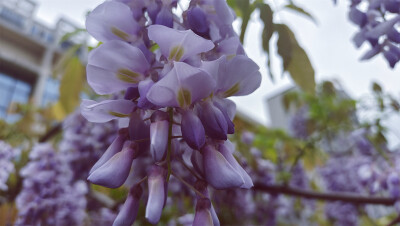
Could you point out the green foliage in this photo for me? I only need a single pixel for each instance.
(301, 11)
(266, 16)
(295, 59)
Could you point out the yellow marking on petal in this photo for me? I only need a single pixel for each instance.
(184, 98)
(176, 53)
(119, 115)
(234, 89)
(119, 33)
(127, 75)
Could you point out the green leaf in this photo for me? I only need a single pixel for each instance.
(68, 35)
(376, 88)
(71, 85)
(245, 13)
(63, 61)
(266, 16)
(300, 10)
(295, 59)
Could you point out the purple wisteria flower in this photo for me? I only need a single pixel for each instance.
(7, 154)
(48, 197)
(176, 77)
(379, 23)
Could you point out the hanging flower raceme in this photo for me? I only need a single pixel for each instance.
(379, 23)
(175, 77)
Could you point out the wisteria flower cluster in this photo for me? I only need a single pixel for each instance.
(7, 154)
(84, 142)
(176, 73)
(48, 197)
(379, 22)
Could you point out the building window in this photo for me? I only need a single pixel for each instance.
(12, 91)
(51, 91)
(12, 17)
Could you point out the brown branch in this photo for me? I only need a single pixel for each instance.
(52, 132)
(345, 197)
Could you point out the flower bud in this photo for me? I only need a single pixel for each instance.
(114, 172)
(203, 215)
(127, 215)
(157, 193)
(218, 170)
(159, 135)
(192, 130)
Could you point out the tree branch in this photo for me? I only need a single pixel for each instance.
(53, 131)
(345, 197)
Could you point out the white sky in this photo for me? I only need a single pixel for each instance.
(328, 44)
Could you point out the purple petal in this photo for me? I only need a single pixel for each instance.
(144, 87)
(203, 215)
(132, 93)
(230, 47)
(128, 213)
(114, 148)
(192, 130)
(178, 45)
(165, 17)
(240, 78)
(106, 110)
(180, 87)
(197, 161)
(114, 172)
(218, 171)
(115, 66)
(231, 126)
(228, 105)
(394, 35)
(248, 183)
(372, 52)
(213, 121)
(197, 21)
(158, 139)
(357, 17)
(112, 21)
(382, 28)
(157, 194)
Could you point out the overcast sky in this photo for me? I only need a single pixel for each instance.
(328, 45)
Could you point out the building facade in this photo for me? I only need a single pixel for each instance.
(28, 52)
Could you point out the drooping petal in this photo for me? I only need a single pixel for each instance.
(382, 28)
(228, 105)
(178, 45)
(218, 171)
(231, 126)
(157, 194)
(112, 21)
(106, 110)
(114, 148)
(114, 172)
(158, 139)
(192, 130)
(127, 214)
(203, 216)
(115, 66)
(181, 87)
(223, 149)
(213, 121)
